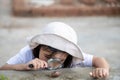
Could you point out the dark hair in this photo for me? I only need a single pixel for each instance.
(66, 63)
(36, 51)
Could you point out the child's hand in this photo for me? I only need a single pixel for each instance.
(37, 64)
(99, 73)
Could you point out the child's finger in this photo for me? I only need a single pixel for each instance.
(93, 73)
(101, 73)
(90, 73)
(105, 73)
(45, 65)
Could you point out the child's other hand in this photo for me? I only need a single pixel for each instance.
(99, 73)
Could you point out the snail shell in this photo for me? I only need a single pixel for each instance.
(55, 74)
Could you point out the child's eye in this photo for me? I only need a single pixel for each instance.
(48, 57)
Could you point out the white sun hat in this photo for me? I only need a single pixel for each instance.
(60, 36)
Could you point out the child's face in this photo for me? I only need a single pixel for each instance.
(46, 52)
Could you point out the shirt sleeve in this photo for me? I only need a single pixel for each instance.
(20, 57)
(87, 60)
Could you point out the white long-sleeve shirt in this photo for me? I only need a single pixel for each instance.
(25, 55)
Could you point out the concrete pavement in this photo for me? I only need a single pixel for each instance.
(99, 36)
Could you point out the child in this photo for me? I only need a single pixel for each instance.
(57, 40)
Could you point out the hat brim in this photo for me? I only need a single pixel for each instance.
(57, 42)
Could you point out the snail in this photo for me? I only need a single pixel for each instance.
(55, 74)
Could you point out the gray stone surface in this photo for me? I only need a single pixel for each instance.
(66, 74)
(98, 36)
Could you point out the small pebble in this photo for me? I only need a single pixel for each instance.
(55, 74)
